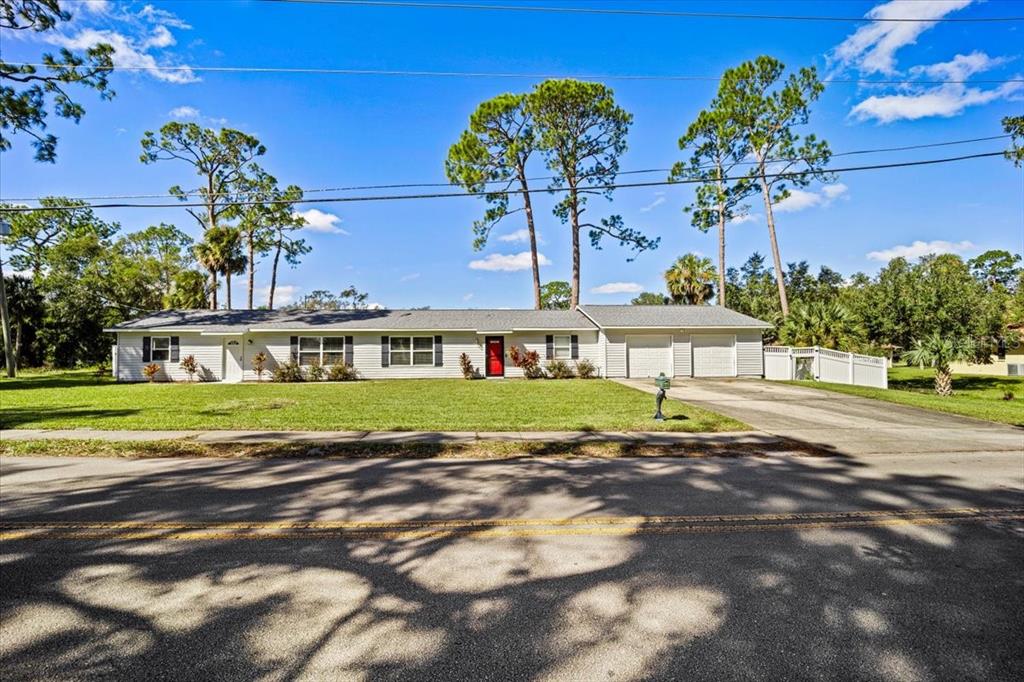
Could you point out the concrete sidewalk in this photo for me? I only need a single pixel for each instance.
(650, 437)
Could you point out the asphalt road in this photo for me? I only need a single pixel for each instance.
(892, 567)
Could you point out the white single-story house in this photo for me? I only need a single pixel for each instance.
(621, 341)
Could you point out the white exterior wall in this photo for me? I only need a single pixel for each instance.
(367, 352)
(605, 348)
(589, 349)
(682, 355)
(209, 352)
(749, 353)
(749, 361)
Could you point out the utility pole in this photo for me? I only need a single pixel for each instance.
(5, 318)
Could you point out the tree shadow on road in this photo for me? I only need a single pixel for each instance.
(892, 602)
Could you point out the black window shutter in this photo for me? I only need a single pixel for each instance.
(438, 358)
(549, 343)
(575, 347)
(174, 349)
(349, 352)
(294, 343)
(147, 353)
(385, 349)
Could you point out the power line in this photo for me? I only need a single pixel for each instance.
(549, 190)
(620, 11)
(328, 71)
(410, 185)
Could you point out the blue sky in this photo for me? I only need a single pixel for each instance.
(331, 130)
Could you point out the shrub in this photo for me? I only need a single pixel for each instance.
(559, 369)
(259, 363)
(150, 371)
(288, 372)
(528, 361)
(315, 371)
(342, 372)
(585, 369)
(189, 364)
(468, 372)
(1008, 395)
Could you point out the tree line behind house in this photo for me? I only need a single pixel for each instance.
(978, 302)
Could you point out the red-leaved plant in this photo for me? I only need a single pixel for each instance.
(526, 360)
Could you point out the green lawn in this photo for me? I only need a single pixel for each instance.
(79, 399)
(974, 396)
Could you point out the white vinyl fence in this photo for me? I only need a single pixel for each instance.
(782, 363)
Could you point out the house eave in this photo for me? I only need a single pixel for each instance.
(688, 327)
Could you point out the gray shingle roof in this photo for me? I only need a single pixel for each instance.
(669, 316)
(215, 321)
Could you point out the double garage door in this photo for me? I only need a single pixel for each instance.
(647, 355)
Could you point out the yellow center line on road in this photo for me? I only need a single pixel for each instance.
(484, 528)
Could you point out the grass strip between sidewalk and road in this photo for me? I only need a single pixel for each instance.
(493, 450)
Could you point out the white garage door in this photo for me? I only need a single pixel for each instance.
(648, 356)
(714, 355)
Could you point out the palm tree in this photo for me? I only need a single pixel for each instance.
(208, 257)
(939, 353)
(221, 254)
(829, 325)
(691, 279)
(233, 260)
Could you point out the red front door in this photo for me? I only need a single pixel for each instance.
(495, 356)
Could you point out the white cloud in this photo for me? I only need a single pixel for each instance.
(375, 306)
(745, 218)
(410, 277)
(872, 48)
(513, 262)
(162, 17)
(659, 199)
(319, 221)
(192, 112)
(920, 248)
(618, 288)
(97, 6)
(945, 100)
(522, 235)
(129, 52)
(183, 112)
(283, 294)
(467, 297)
(800, 199)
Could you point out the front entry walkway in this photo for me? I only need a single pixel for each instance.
(842, 423)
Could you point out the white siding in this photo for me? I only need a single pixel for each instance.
(368, 355)
(616, 350)
(589, 348)
(682, 353)
(367, 352)
(749, 353)
(209, 352)
(615, 353)
(276, 346)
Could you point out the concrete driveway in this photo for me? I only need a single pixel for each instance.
(847, 424)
